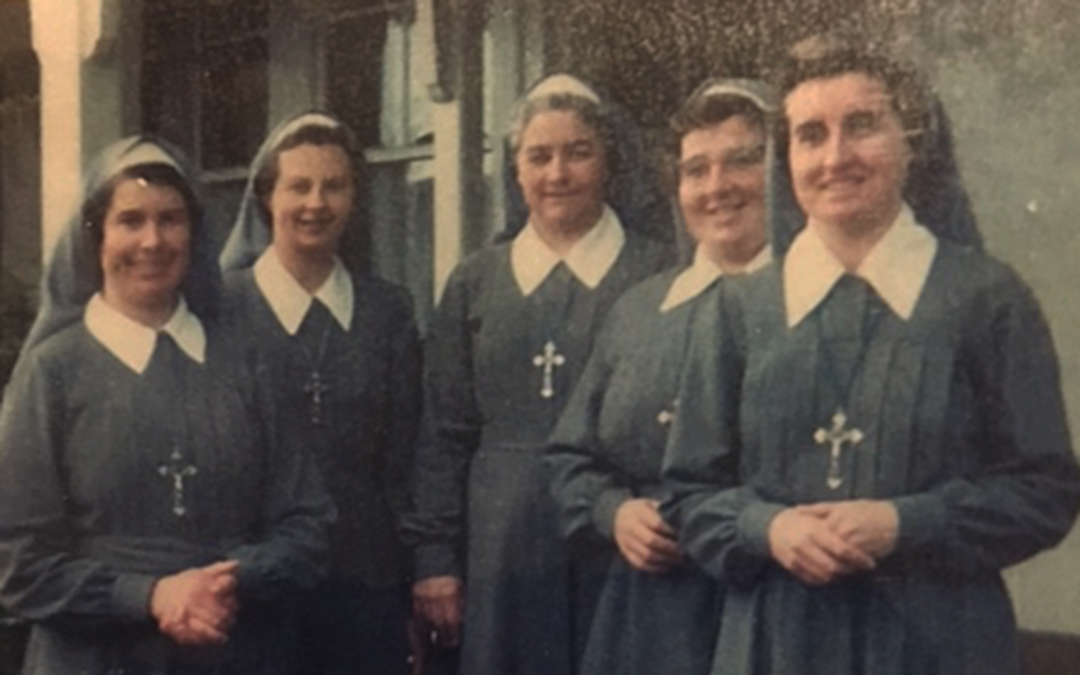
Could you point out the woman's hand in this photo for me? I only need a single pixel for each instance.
(197, 606)
(644, 539)
(440, 602)
(871, 525)
(805, 545)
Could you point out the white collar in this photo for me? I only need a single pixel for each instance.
(589, 259)
(290, 302)
(897, 268)
(701, 274)
(133, 343)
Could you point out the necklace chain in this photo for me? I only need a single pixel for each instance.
(839, 433)
(315, 387)
(553, 313)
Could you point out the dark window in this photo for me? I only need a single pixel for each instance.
(354, 44)
(205, 77)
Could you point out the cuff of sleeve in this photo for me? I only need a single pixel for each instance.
(922, 520)
(436, 560)
(131, 595)
(603, 514)
(258, 576)
(753, 527)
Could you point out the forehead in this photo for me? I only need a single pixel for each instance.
(734, 133)
(310, 159)
(831, 98)
(556, 127)
(136, 193)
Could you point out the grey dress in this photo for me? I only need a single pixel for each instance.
(484, 507)
(964, 430)
(608, 448)
(364, 443)
(91, 514)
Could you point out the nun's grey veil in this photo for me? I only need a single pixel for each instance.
(634, 189)
(936, 192)
(73, 271)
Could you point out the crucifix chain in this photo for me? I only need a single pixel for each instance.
(854, 315)
(552, 308)
(316, 387)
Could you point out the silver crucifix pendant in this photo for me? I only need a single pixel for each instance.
(549, 359)
(177, 472)
(835, 437)
(316, 390)
(667, 415)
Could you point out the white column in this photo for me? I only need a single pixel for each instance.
(296, 64)
(56, 30)
(446, 170)
(459, 146)
(80, 106)
(447, 238)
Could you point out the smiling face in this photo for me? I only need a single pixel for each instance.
(311, 199)
(145, 247)
(722, 188)
(849, 153)
(562, 171)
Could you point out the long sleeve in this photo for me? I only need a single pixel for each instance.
(991, 478)
(403, 413)
(450, 433)
(1022, 493)
(702, 460)
(291, 550)
(587, 489)
(42, 577)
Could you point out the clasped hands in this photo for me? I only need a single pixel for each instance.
(197, 606)
(819, 543)
(643, 538)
